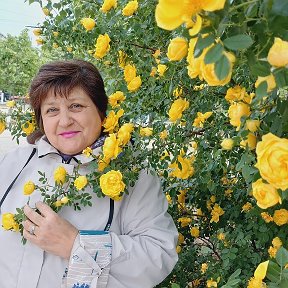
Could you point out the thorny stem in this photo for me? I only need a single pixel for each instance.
(242, 5)
(211, 246)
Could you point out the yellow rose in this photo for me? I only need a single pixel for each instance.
(55, 45)
(181, 238)
(177, 108)
(184, 221)
(80, 182)
(170, 14)
(278, 53)
(178, 92)
(255, 282)
(201, 118)
(227, 144)
(134, 84)
(102, 46)
(186, 170)
(111, 147)
(64, 200)
(108, 5)
(236, 111)
(122, 56)
(161, 69)
(124, 133)
(45, 11)
(60, 175)
(130, 8)
(163, 135)
(37, 31)
(39, 41)
(209, 75)
(55, 33)
(216, 212)
(8, 222)
(28, 188)
(266, 217)
(270, 80)
(116, 98)
(177, 49)
(69, 49)
(265, 194)
(103, 163)
(88, 23)
(276, 242)
(194, 231)
(251, 141)
(111, 121)
(272, 251)
(58, 203)
(129, 72)
(204, 267)
(252, 125)
(212, 5)
(111, 183)
(2, 126)
(272, 160)
(178, 249)
(146, 132)
(235, 93)
(11, 103)
(87, 152)
(280, 217)
(28, 128)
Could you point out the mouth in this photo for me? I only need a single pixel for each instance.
(69, 134)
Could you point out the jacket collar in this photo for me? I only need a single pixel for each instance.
(45, 148)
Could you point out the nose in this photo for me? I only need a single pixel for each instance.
(65, 118)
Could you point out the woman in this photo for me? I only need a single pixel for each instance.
(70, 103)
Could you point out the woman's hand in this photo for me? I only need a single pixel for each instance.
(51, 232)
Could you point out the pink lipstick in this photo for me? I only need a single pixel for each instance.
(69, 134)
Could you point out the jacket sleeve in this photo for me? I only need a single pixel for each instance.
(144, 254)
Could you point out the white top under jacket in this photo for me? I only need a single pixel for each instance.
(143, 235)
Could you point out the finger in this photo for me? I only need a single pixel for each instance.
(29, 229)
(32, 215)
(44, 209)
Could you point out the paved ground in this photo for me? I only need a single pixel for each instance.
(6, 142)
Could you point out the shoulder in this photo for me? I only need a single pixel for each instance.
(17, 155)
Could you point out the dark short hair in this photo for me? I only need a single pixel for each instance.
(61, 77)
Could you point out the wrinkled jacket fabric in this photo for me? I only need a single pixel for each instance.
(143, 235)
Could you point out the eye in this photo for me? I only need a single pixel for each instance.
(52, 110)
(76, 107)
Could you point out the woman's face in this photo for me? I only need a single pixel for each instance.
(71, 124)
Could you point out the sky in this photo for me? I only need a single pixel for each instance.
(15, 15)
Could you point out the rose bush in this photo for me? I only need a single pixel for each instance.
(235, 79)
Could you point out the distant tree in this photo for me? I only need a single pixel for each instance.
(19, 61)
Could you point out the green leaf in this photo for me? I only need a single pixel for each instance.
(214, 54)
(261, 90)
(260, 68)
(222, 67)
(174, 285)
(238, 42)
(282, 257)
(202, 43)
(280, 7)
(281, 77)
(273, 272)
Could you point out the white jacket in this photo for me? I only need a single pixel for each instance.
(143, 235)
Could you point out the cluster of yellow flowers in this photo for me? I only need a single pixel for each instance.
(177, 108)
(130, 75)
(272, 159)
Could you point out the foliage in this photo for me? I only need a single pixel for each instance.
(207, 184)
